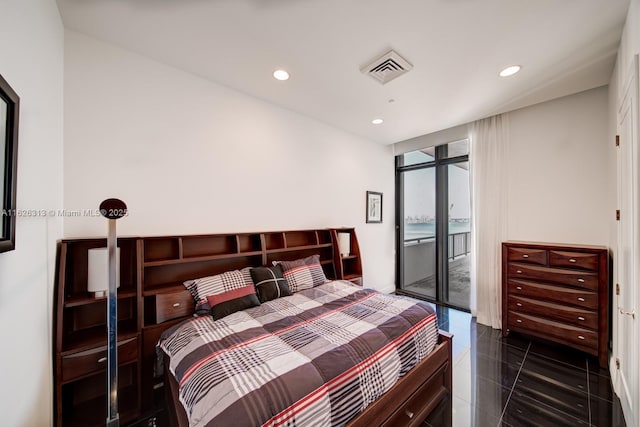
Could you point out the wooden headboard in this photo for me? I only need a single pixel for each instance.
(166, 262)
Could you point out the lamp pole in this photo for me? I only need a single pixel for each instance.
(112, 209)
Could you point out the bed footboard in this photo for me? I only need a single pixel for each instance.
(415, 395)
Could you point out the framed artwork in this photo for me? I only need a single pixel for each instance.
(9, 112)
(374, 207)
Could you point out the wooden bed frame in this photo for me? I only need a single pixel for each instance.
(411, 399)
(408, 403)
(152, 298)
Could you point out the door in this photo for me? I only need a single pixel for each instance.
(418, 251)
(459, 234)
(626, 344)
(433, 217)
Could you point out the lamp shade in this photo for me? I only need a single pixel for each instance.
(344, 244)
(98, 271)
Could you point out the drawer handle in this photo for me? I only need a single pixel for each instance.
(409, 413)
(519, 304)
(581, 318)
(580, 299)
(581, 337)
(518, 320)
(102, 359)
(519, 288)
(581, 280)
(525, 256)
(176, 304)
(572, 260)
(519, 271)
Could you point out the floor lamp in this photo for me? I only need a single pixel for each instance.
(112, 209)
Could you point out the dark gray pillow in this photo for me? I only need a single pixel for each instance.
(225, 308)
(270, 283)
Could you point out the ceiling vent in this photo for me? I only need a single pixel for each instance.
(387, 67)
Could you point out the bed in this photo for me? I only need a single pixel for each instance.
(333, 354)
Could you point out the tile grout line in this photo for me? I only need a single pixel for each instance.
(588, 392)
(515, 382)
(560, 362)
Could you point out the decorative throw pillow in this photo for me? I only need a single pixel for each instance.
(303, 273)
(227, 282)
(229, 302)
(270, 283)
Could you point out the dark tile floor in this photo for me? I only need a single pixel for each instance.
(515, 382)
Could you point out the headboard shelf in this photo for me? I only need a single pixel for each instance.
(161, 248)
(192, 269)
(187, 259)
(200, 246)
(249, 242)
(299, 248)
(96, 336)
(303, 238)
(274, 240)
(76, 269)
(164, 289)
(78, 301)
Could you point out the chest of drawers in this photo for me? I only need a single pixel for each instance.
(559, 293)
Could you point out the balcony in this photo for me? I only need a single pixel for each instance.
(420, 268)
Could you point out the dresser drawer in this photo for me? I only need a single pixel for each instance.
(533, 256)
(577, 297)
(173, 305)
(94, 360)
(562, 333)
(580, 279)
(573, 260)
(575, 316)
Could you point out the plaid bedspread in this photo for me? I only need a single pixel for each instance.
(316, 358)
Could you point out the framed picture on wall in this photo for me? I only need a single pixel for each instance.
(9, 112)
(374, 207)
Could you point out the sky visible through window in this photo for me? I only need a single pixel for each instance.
(420, 190)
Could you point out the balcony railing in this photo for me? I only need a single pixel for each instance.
(459, 243)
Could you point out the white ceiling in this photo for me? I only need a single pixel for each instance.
(457, 48)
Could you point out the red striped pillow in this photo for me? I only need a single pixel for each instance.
(230, 295)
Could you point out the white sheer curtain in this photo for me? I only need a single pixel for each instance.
(489, 163)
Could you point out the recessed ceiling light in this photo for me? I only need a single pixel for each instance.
(281, 75)
(510, 71)
(377, 121)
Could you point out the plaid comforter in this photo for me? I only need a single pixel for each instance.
(318, 357)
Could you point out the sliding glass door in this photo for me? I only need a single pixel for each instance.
(459, 235)
(433, 223)
(419, 250)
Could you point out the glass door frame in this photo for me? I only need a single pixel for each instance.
(440, 163)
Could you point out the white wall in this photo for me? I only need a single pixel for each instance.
(561, 171)
(31, 60)
(191, 156)
(559, 175)
(629, 46)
